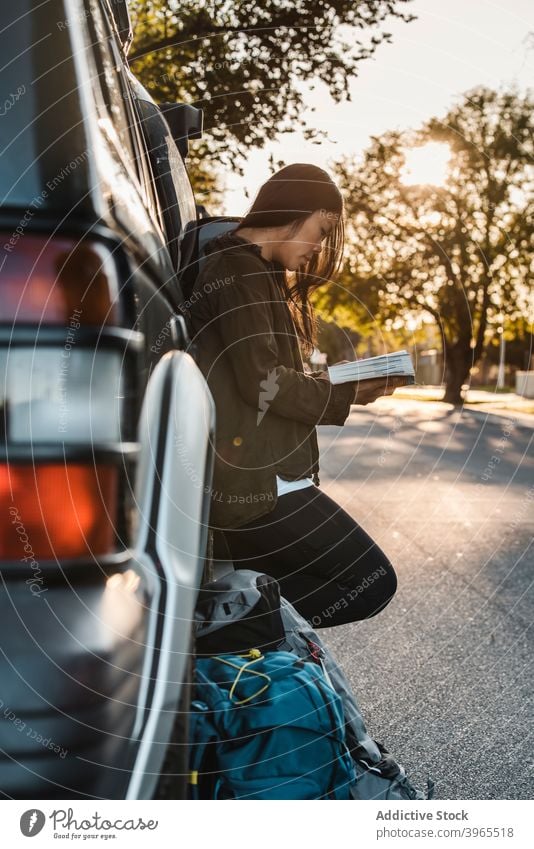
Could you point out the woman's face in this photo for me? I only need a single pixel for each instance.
(297, 249)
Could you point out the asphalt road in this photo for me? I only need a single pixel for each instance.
(444, 674)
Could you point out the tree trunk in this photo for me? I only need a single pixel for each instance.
(458, 364)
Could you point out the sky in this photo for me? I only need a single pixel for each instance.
(452, 47)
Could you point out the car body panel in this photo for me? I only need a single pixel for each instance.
(92, 668)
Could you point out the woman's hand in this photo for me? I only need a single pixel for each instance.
(367, 391)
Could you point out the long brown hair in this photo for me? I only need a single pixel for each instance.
(290, 196)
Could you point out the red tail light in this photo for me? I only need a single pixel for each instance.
(65, 371)
(57, 511)
(49, 280)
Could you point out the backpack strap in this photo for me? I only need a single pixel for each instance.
(341, 751)
(201, 735)
(202, 729)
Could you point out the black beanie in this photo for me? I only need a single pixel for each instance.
(293, 192)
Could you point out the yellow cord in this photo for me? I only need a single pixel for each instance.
(255, 656)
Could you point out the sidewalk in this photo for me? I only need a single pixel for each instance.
(501, 403)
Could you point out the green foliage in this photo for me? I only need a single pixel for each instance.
(460, 252)
(244, 63)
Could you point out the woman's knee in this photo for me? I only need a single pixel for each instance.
(380, 573)
(385, 587)
(391, 581)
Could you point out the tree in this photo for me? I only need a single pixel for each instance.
(246, 63)
(460, 251)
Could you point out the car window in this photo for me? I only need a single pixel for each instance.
(107, 62)
(173, 184)
(144, 163)
(116, 103)
(40, 121)
(16, 108)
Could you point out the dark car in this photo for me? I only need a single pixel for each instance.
(107, 421)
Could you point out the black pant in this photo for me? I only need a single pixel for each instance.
(326, 564)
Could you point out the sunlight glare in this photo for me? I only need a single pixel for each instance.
(426, 164)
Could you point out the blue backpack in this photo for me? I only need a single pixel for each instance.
(273, 714)
(267, 726)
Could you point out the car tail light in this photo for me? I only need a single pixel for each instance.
(47, 281)
(66, 372)
(54, 393)
(57, 510)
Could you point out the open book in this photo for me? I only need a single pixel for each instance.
(398, 364)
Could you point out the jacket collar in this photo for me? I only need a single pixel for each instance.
(229, 239)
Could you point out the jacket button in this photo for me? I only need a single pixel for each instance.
(237, 440)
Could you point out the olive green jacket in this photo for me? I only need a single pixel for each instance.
(266, 406)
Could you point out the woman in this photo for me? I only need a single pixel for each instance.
(250, 310)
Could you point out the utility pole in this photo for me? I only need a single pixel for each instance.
(502, 352)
